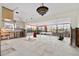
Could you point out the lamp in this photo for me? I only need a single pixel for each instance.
(42, 9)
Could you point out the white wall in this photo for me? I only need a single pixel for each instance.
(54, 21)
(18, 17)
(78, 23)
(77, 20)
(1, 23)
(20, 24)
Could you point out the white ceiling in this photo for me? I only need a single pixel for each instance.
(27, 11)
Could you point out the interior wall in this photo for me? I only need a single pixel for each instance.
(54, 21)
(1, 23)
(20, 24)
(78, 20)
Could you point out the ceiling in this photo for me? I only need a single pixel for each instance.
(27, 11)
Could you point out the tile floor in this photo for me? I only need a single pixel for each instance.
(43, 45)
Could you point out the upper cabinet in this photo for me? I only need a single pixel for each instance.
(7, 14)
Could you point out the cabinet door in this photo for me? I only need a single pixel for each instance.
(77, 35)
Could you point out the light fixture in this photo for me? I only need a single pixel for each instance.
(42, 9)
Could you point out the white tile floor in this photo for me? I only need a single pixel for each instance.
(43, 45)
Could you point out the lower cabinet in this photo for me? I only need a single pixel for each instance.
(11, 35)
(17, 34)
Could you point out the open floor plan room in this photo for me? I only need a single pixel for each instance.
(39, 29)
